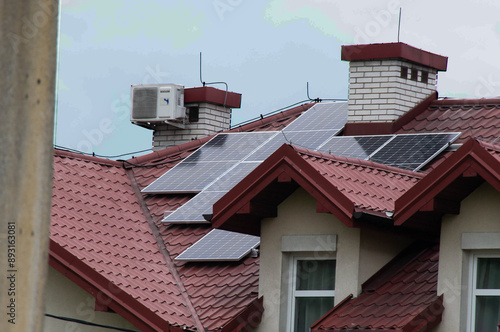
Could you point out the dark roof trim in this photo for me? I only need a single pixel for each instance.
(171, 151)
(452, 102)
(471, 157)
(394, 50)
(92, 159)
(99, 287)
(284, 165)
(385, 128)
(208, 94)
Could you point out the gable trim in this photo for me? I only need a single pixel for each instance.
(283, 165)
(471, 159)
(99, 287)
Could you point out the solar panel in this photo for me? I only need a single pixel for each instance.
(321, 116)
(220, 245)
(208, 162)
(413, 151)
(360, 147)
(229, 147)
(188, 177)
(232, 177)
(307, 139)
(195, 208)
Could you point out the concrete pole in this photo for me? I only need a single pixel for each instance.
(28, 46)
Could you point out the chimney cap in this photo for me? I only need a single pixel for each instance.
(394, 50)
(208, 94)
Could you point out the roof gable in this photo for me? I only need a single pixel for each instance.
(340, 185)
(442, 190)
(402, 299)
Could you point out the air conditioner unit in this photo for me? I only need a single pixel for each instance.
(157, 103)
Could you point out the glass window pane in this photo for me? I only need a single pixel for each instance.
(488, 273)
(316, 274)
(487, 313)
(310, 309)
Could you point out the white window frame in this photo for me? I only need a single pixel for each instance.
(473, 292)
(294, 293)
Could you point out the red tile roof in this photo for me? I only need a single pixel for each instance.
(99, 221)
(339, 184)
(370, 186)
(96, 218)
(473, 117)
(401, 299)
(105, 232)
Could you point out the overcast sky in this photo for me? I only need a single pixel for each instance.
(265, 50)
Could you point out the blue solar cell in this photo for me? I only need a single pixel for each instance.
(360, 147)
(413, 151)
(220, 245)
(208, 163)
(194, 209)
(307, 139)
(188, 177)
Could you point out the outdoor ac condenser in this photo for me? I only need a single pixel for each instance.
(157, 103)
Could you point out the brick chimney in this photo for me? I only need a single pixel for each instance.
(208, 111)
(388, 80)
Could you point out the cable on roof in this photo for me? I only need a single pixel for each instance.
(150, 165)
(83, 322)
(93, 154)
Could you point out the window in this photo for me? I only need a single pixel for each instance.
(404, 72)
(414, 74)
(485, 293)
(311, 293)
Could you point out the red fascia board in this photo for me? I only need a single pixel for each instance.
(208, 94)
(394, 50)
(470, 155)
(284, 160)
(99, 287)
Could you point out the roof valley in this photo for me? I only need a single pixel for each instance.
(163, 249)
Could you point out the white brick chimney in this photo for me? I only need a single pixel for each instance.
(388, 80)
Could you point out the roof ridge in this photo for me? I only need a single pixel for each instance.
(271, 118)
(467, 101)
(358, 162)
(164, 251)
(170, 150)
(81, 156)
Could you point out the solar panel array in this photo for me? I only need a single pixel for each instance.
(407, 151)
(220, 245)
(208, 163)
(227, 158)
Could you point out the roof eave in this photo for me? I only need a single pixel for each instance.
(469, 161)
(98, 286)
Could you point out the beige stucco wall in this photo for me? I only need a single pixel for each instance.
(479, 213)
(359, 253)
(64, 298)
